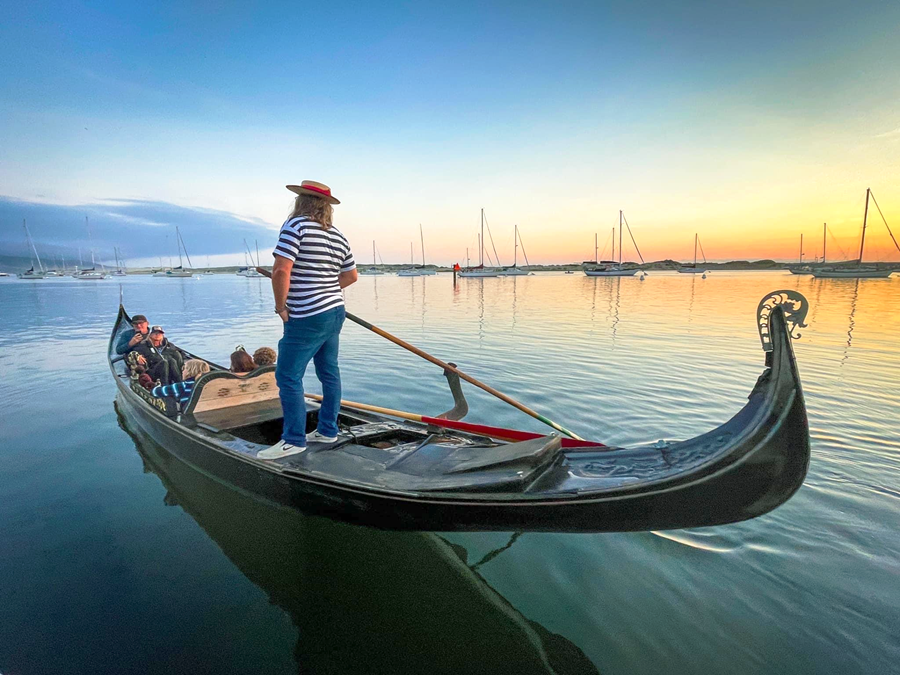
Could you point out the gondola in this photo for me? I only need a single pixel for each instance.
(403, 475)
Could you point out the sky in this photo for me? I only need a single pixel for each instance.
(748, 123)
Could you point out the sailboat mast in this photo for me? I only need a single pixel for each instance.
(862, 241)
(824, 233)
(91, 239)
(596, 250)
(695, 249)
(422, 237)
(515, 245)
(481, 242)
(801, 249)
(33, 247)
(178, 244)
(614, 243)
(373, 253)
(620, 237)
(256, 242)
(411, 261)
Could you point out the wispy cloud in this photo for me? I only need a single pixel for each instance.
(895, 134)
(134, 219)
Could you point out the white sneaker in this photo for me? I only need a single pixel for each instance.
(316, 437)
(280, 449)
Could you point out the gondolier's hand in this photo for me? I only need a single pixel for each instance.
(138, 337)
(283, 313)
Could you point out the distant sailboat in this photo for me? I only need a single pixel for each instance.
(179, 272)
(417, 270)
(615, 269)
(412, 270)
(120, 265)
(515, 270)
(481, 270)
(373, 270)
(860, 271)
(693, 269)
(92, 273)
(32, 273)
(249, 269)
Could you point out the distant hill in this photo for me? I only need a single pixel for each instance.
(141, 229)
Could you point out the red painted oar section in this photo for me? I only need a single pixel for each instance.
(502, 433)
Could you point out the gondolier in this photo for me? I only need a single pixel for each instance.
(313, 264)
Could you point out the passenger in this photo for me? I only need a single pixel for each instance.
(161, 367)
(264, 356)
(241, 362)
(193, 368)
(169, 350)
(313, 264)
(131, 338)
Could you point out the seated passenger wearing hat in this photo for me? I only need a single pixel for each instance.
(164, 360)
(131, 338)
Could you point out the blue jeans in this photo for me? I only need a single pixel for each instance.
(313, 338)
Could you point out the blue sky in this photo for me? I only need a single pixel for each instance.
(728, 118)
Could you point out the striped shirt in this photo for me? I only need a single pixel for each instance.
(319, 256)
(180, 390)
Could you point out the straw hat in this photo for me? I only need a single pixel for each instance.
(311, 187)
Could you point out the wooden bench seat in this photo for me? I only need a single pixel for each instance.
(223, 400)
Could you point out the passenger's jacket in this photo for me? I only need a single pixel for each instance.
(153, 354)
(122, 343)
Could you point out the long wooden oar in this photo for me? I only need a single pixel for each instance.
(500, 433)
(446, 366)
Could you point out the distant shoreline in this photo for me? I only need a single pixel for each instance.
(659, 266)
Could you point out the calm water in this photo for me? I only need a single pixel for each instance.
(117, 559)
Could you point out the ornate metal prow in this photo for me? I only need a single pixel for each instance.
(795, 307)
(461, 407)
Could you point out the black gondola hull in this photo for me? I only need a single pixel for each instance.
(760, 458)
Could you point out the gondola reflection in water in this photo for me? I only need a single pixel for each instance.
(406, 475)
(363, 600)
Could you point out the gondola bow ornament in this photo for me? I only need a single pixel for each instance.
(795, 307)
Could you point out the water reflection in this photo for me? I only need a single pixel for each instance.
(851, 322)
(365, 600)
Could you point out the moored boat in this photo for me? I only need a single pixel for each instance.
(860, 271)
(694, 269)
(32, 273)
(444, 474)
(479, 271)
(373, 270)
(515, 270)
(612, 268)
(181, 271)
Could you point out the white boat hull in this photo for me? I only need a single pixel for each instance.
(852, 274)
(515, 272)
(179, 275)
(610, 273)
(691, 270)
